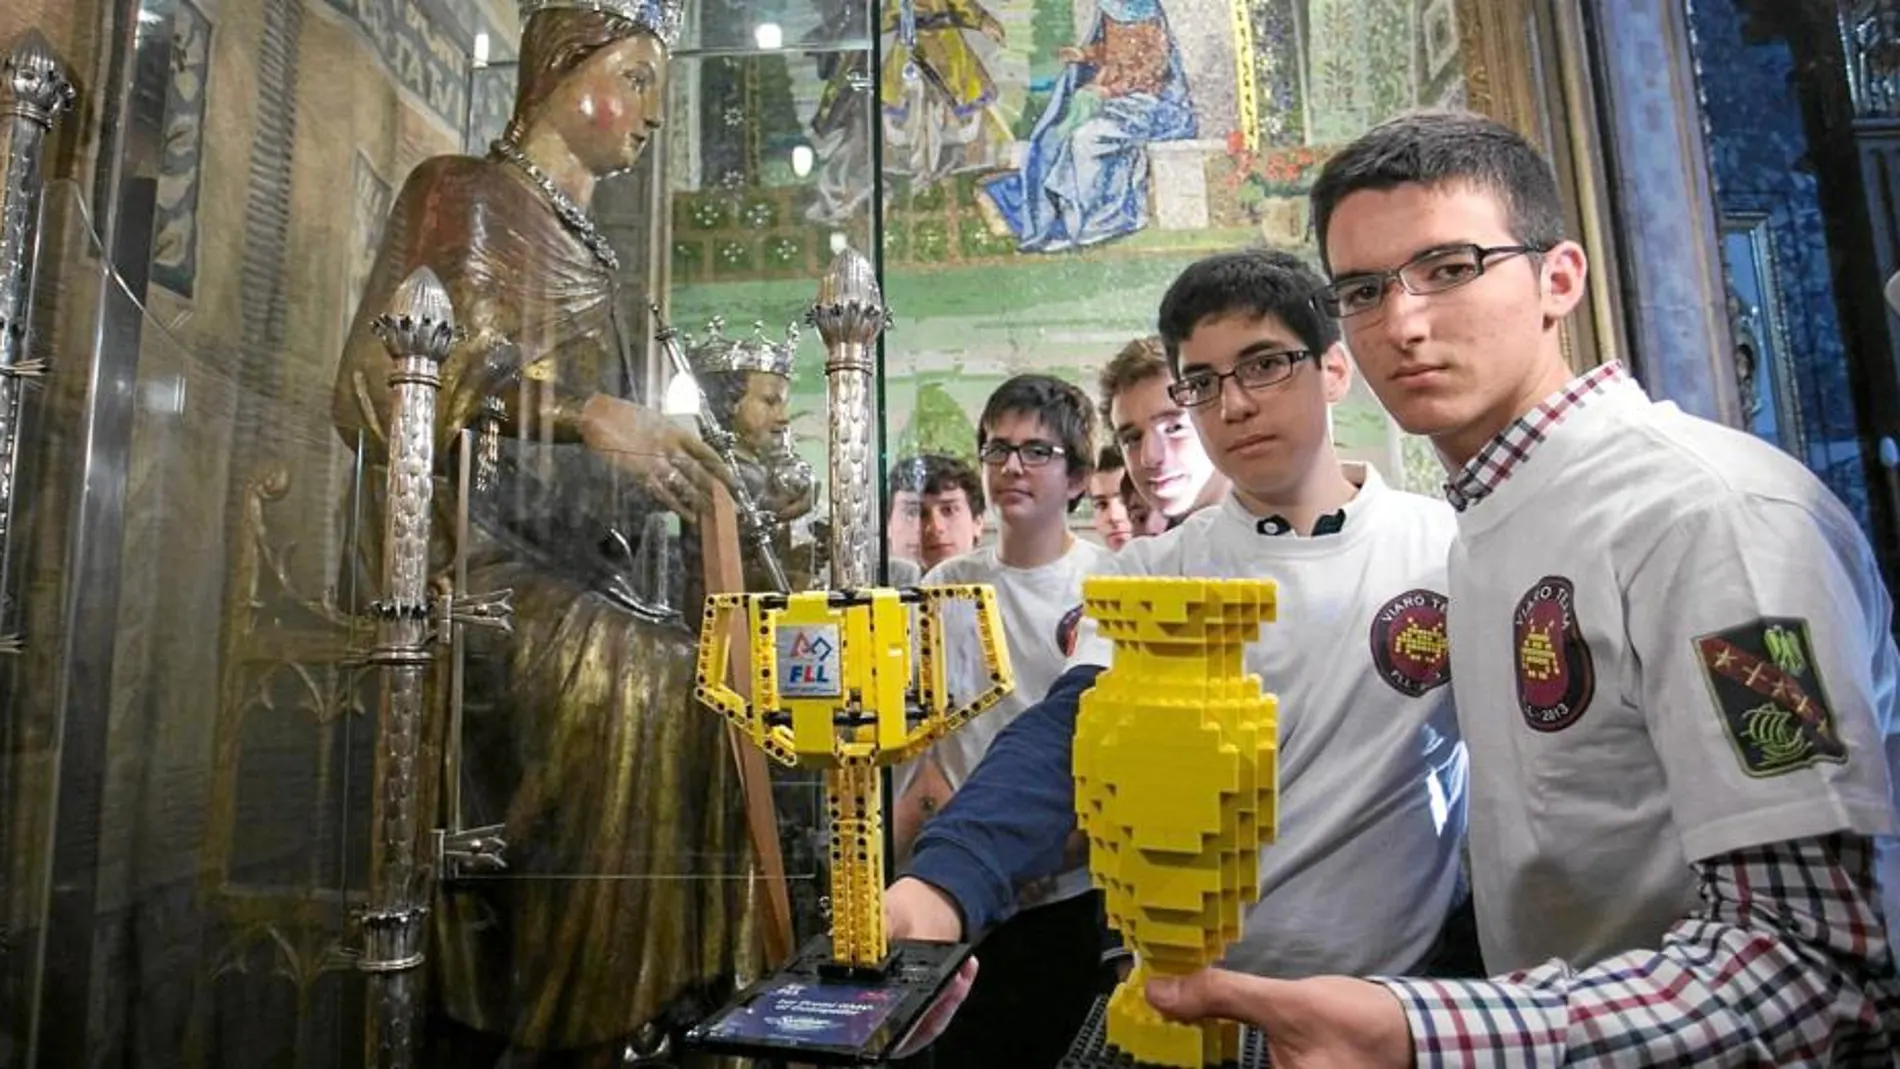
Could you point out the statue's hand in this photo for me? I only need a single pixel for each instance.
(672, 464)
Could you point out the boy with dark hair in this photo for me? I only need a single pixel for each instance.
(1039, 968)
(950, 511)
(1165, 458)
(1109, 510)
(1673, 661)
(1365, 871)
(936, 513)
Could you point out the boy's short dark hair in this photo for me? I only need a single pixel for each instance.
(1061, 406)
(1443, 148)
(934, 473)
(1253, 282)
(1136, 363)
(1110, 459)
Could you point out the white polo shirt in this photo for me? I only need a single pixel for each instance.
(1670, 642)
(1366, 865)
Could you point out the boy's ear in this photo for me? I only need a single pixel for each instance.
(1335, 368)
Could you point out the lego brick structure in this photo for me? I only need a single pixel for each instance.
(1091, 1049)
(832, 689)
(1175, 770)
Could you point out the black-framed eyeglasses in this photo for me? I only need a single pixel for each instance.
(1257, 371)
(1034, 453)
(1432, 271)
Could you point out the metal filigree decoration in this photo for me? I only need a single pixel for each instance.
(850, 315)
(661, 18)
(1870, 37)
(417, 330)
(33, 94)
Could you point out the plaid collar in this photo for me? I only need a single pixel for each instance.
(1484, 473)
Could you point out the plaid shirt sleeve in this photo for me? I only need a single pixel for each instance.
(1786, 963)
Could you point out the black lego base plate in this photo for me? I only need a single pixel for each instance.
(812, 1013)
(1091, 1050)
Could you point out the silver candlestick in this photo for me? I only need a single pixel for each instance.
(417, 331)
(849, 315)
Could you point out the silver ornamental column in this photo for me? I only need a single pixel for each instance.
(849, 315)
(417, 330)
(33, 94)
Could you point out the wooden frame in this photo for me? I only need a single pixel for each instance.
(1764, 325)
(1527, 65)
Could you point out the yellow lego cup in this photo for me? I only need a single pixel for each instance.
(1175, 786)
(833, 689)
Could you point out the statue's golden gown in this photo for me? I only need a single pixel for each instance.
(627, 849)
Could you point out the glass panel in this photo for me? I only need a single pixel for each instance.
(1053, 167)
(720, 26)
(769, 176)
(205, 850)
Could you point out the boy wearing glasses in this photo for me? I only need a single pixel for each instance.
(1038, 976)
(1365, 872)
(1673, 662)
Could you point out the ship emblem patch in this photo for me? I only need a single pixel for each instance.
(1765, 683)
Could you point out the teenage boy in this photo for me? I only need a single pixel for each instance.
(1039, 968)
(1166, 459)
(1673, 665)
(1143, 520)
(950, 511)
(1108, 508)
(1365, 869)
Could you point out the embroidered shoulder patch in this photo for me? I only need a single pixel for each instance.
(1065, 630)
(1408, 642)
(1556, 676)
(1765, 683)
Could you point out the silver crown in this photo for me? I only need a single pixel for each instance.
(716, 353)
(661, 18)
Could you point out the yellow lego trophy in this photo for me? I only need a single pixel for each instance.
(1175, 779)
(834, 687)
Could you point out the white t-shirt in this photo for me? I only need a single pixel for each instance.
(1040, 608)
(1365, 867)
(1670, 642)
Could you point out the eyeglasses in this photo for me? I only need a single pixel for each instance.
(1434, 271)
(1034, 454)
(1256, 372)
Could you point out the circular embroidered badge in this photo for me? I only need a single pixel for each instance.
(1408, 642)
(1065, 630)
(1556, 676)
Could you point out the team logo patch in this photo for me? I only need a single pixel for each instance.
(1769, 691)
(1065, 630)
(1556, 676)
(1408, 642)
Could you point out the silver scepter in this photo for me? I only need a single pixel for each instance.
(754, 529)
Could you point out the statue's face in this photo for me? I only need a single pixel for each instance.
(612, 103)
(762, 413)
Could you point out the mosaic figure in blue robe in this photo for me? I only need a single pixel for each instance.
(1084, 179)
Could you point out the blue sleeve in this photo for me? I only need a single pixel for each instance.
(1010, 820)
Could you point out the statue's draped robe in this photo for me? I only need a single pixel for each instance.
(626, 893)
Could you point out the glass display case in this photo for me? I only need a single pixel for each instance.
(316, 712)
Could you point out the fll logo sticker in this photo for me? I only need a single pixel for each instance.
(808, 662)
